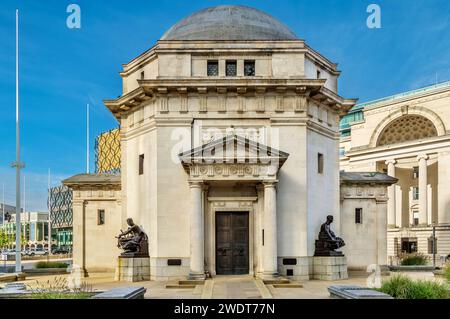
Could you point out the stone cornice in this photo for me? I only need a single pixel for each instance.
(163, 88)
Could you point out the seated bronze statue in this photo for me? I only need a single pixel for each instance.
(133, 241)
(328, 242)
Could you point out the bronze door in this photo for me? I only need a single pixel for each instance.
(232, 256)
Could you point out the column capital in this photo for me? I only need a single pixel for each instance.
(269, 184)
(422, 157)
(391, 161)
(196, 184)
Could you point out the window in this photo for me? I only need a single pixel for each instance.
(415, 172)
(318, 74)
(432, 243)
(409, 245)
(213, 68)
(341, 151)
(141, 164)
(101, 217)
(231, 68)
(415, 218)
(142, 75)
(249, 68)
(358, 215)
(320, 163)
(415, 193)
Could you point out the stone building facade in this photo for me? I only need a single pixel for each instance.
(406, 136)
(229, 135)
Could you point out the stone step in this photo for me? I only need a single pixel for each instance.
(276, 281)
(177, 286)
(191, 282)
(290, 285)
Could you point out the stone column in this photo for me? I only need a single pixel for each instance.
(197, 237)
(391, 220)
(78, 235)
(270, 253)
(423, 194)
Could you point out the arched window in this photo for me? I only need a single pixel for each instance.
(407, 128)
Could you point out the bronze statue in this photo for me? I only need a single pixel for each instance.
(133, 241)
(328, 242)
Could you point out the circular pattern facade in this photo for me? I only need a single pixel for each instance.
(407, 128)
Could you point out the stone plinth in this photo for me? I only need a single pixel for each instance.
(330, 268)
(132, 269)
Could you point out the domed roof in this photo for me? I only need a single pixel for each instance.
(229, 23)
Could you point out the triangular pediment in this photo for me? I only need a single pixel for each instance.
(233, 149)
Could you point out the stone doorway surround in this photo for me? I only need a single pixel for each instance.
(236, 159)
(230, 204)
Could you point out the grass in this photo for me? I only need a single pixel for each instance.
(402, 287)
(50, 264)
(415, 259)
(60, 295)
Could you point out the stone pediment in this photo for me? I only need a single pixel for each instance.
(233, 157)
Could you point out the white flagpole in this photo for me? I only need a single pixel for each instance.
(87, 140)
(49, 215)
(18, 164)
(23, 208)
(3, 204)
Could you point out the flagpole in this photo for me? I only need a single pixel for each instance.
(3, 203)
(87, 140)
(49, 214)
(23, 204)
(18, 164)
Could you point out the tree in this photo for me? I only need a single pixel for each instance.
(3, 239)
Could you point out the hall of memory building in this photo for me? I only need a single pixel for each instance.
(229, 134)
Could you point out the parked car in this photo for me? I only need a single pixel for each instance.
(41, 252)
(60, 251)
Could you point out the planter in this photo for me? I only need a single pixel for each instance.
(45, 271)
(412, 268)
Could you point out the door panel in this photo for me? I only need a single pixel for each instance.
(232, 251)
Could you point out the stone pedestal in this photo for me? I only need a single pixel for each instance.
(330, 268)
(132, 269)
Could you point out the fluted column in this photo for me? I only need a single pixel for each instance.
(270, 253)
(197, 266)
(423, 191)
(391, 218)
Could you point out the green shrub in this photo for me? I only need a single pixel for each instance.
(50, 264)
(414, 259)
(402, 287)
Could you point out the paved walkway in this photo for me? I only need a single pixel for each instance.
(220, 287)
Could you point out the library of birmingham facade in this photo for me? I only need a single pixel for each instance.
(229, 138)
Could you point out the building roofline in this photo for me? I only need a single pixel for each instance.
(397, 96)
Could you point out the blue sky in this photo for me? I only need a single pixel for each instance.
(62, 69)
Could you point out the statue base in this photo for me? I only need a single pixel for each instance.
(132, 269)
(330, 267)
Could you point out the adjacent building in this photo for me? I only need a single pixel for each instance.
(61, 217)
(407, 136)
(34, 226)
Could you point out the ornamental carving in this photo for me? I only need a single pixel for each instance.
(407, 128)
